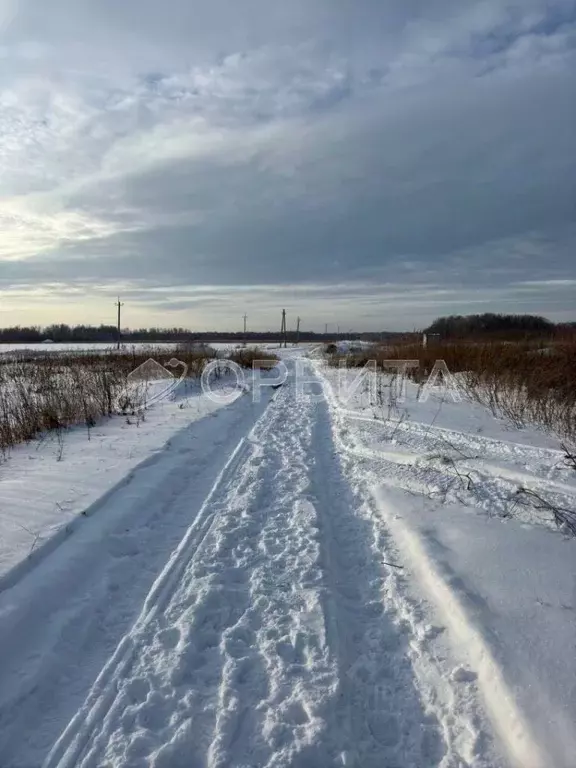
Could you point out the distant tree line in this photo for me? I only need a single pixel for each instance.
(453, 327)
(62, 333)
(496, 325)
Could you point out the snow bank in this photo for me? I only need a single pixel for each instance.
(507, 595)
(47, 486)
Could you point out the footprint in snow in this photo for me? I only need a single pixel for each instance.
(170, 637)
(462, 675)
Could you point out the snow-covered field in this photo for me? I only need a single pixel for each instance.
(307, 581)
(77, 347)
(102, 347)
(127, 347)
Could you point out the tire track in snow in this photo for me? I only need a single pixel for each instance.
(228, 660)
(508, 721)
(446, 472)
(289, 632)
(469, 452)
(277, 636)
(452, 726)
(62, 621)
(92, 722)
(419, 431)
(454, 478)
(379, 717)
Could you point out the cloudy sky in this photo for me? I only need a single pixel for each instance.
(367, 163)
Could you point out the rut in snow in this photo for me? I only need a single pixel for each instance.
(267, 641)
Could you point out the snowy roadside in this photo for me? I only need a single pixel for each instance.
(48, 486)
(452, 450)
(506, 595)
(273, 636)
(62, 619)
(295, 583)
(501, 582)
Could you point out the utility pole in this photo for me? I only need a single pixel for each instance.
(119, 304)
(325, 329)
(283, 329)
(245, 317)
(298, 331)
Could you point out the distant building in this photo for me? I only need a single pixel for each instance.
(430, 338)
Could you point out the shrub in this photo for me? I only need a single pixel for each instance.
(51, 391)
(249, 357)
(44, 391)
(522, 381)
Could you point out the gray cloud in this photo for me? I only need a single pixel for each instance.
(313, 154)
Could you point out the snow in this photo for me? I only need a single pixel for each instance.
(288, 583)
(85, 346)
(508, 594)
(456, 451)
(503, 591)
(48, 487)
(98, 346)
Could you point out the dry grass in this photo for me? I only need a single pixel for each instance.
(525, 382)
(249, 357)
(51, 391)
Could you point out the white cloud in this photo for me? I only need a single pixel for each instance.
(27, 232)
(291, 144)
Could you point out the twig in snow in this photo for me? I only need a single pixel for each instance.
(35, 536)
(455, 448)
(570, 458)
(398, 423)
(448, 460)
(563, 517)
(427, 432)
(462, 475)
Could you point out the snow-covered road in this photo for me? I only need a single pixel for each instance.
(266, 640)
(63, 619)
(251, 601)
